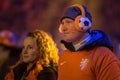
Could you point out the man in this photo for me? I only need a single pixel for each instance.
(88, 54)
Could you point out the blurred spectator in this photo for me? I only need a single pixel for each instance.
(9, 52)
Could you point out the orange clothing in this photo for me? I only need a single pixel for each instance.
(32, 74)
(36, 72)
(97, 64)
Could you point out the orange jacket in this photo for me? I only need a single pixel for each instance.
(97, 64)
(37, 72)
(32, 74)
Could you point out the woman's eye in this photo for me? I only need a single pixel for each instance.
(30, 47)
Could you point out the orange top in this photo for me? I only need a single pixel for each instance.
(97, 64)
(32, 74)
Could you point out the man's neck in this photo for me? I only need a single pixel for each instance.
(81, 39)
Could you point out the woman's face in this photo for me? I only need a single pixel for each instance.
(30, 50)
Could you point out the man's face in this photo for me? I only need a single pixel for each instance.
(70, 33)
(30, 51)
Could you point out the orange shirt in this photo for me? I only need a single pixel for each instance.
(97, 64)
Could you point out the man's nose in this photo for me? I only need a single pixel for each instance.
(63, 28)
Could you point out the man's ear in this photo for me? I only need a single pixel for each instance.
(60, 30)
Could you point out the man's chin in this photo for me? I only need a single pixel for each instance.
(68, 40)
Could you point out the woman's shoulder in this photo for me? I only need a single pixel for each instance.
(48, 73)
(49, 70)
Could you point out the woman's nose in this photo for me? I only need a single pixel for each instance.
(24, 51)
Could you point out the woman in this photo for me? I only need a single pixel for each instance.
(39, 59)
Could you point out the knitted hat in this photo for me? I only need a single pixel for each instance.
(73, 11)
(7, 38)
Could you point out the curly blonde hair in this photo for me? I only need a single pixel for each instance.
(46, 46)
